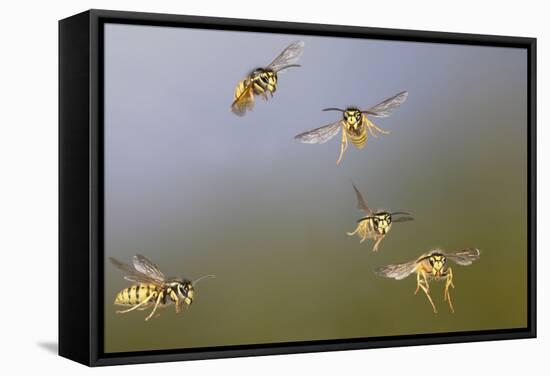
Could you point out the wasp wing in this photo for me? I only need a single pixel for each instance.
(132, 275)
(397, 271)
(465, 256)
(143, 265)
(320, 135)
(244, 101)
(361, 203)
(288, 57)
(385, 109)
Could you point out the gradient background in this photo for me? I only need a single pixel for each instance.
(201, 191)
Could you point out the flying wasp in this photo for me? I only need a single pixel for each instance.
(431, 266)
(376, 224)
(152, 288)
(263, 81)
(354, 124)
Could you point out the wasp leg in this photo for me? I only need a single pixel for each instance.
(417, 283)
(346, 139)
(423, 284)
(260, 90)
(426, 280)
(364, 237)
(343, 146)
(155, 307)
(180, 306)
(158, 313)
(425, 289)
(137, 306)
(380, 130)
(176, 300)
(353, 233)
(421, 278)
(447, 294)
(373, 127)
(369, 125)
(371, 130)
(375, 248)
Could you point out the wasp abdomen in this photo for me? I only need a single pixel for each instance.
(358, 138)
(135, 294)
(241, 86)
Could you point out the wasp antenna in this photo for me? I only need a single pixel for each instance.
(363, 218)
(203, 277)
(289, 66)
(402, 213)
(332, 109)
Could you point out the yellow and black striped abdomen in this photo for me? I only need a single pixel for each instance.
(358, 137)
(241, 87)
(136, 294)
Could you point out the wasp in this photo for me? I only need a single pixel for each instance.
(263, 81)
(432, 265)
(354, 124)
(376, 224)
(152, 288)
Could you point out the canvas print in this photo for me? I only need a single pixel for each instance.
(236, 212)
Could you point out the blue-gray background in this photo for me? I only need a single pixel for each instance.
(202, 191)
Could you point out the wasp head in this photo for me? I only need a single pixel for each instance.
(382, 221)
(353, 118)
(437, 262)
(184, 289)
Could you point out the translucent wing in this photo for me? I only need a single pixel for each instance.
(464, 257)
(143, 265)
(132, 274)
(361, 203)
(397, 271)
(288, 57)
(320, 135)
(384, 109)
(244, 98)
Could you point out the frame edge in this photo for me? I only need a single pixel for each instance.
(74, 162)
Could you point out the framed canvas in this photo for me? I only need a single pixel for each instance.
(239, 187)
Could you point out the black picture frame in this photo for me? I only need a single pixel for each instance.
(81, 182)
